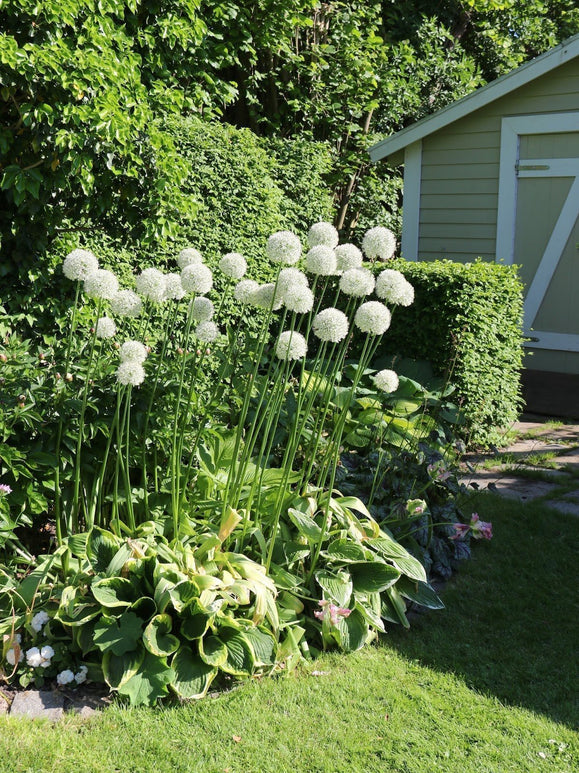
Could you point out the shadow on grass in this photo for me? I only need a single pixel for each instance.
(511, 623)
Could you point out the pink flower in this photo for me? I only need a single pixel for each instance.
(460, 530)
(5, 489)
(331, 611)
(480, 529)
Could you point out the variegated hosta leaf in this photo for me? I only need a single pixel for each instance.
(192, 675)
(240, 659)
(352, 632)
(157, 636)
(337, 586)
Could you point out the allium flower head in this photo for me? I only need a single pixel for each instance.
(197, 278)
(245, 291)
(379, 243)
(133, 350)
(207, 331)
(291, 346)
(126, 303)
(283, 247)
(101, 284)
(386, 380)
(373, 318)
(151, 284)
(357, 282)
(330, 325)
(299, 299)
(130, 373)
(348, 256)
(393, 287)
(188, 257)
(233, 264)
(105, 327)
(39, 620)
(323, 233)
(267, 296)
(203, 309)
(321, 260)
(173, 288)
(65, 677)
(289, 278)
(78, 264)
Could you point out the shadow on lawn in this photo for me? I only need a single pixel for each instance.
(511, 623)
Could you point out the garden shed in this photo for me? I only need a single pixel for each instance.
(496, 176)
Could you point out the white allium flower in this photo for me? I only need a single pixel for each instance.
(386, 380)
(245, 290)
(188, 257)
(299, 299)
(11, 656)
(65, 677)
(203, 309)
(323, 233)
(289, 278)
(38, 621)
(233, 264)
(373, 318)
(268, 297)
(197, 278)
(379, 243)
(173, 288)
(348, 256)
(151, 284)
(357, 282)
(105, 327)
(207, 331)
(283, 247)
(126, 303)
(134, 351)
(80, 676)
(291, 346)
(33, 657)
(130, 373)
(101, 284)
(393, 287)
(330, 325)
(78, 264)
(321, 260)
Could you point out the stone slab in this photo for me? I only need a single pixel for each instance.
(38, 704)
(563, 506)
(510, 486)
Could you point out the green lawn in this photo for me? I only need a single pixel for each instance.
(486, 685)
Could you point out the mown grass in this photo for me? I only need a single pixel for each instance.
(486, 685)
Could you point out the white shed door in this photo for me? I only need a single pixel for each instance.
(538, 223)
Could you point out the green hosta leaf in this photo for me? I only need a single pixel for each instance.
(195, 621)
(353, 503)
(119, 635)
(369, 608)
(84, 637)
(411, 567)
(352, 631)
(162, 595)
(239, 655)
(346, 550)
(373, 577)
(144, 607)
(118, 561)
(212, 651)
(337, 586)
(295, 551)
(149, 683)
(183, 594)
(117, 669)
(262, 644)
(76, 543)
(192, 675)
(157, 637)
(113, 592)
(78, 614)
(305, 525)
(101, 547)
(393, 607)
(420, 592)
(388, 547)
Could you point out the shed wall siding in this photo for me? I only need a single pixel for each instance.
(460, 169)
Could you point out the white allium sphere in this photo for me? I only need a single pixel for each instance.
(105, 328)
(321, 260)
(101, 284)
(203, 309)
(386, 380)
(151, 284)
(267, 296)
(373, 318)
(130, 373)
(207, 331)
(393, 287)
(126, 303)
(189, 256)
(379, 243)
(173, 287)
(283, 247)
(330, 325)
(134, 351)
(197, 278)
(291, 346)
(348, 256)
(233, 265)
(357, 282)
(323, 233)
(78, 264)
(299, 299)
(289, 278)
(245, 290)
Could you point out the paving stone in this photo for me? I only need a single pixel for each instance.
(569, 508)
(85, 705)
(511, 486)
(38, 704)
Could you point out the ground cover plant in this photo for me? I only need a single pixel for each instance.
(183, 477)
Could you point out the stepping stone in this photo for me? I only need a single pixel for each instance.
(569, 508)
(38, 704)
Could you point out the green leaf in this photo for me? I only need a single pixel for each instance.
(192, 675)
(101, 547)
(346, 550)
(373, 577)
(239, 655)
(393, 607)
(421, 593)
(113, 592)
(306, 526)
(183, 594)
(352, 631)
(263, 646)
(150, 682)
(157, 637)
(337, 586)
(213, 651)
(78, 614)
(195, 621)
(117, 669)
(118, 635)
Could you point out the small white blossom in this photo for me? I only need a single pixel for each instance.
(126, 303)
(233, 265)
(348, 256)
(80, 676)
(130, 373)
(47, 652)
(267, 296)
(11, 656)
(151, 284)
(291, 346)
(379, 243)
(386, 380)
(203, 309)
(188, 257)
(330, 325)
(101, 284)
(78, 264)
(245, 290)
(299, 299)
(105, 327)
(38, 621)
(393, 287)
(207, 331)
(373, 318)
(134, 351)
(283, 247)
(321, 260)
(289, 278)
(173, 288)
(65, 677)
(197, 278)
(323, 233)
(33, 657)
(357, 282)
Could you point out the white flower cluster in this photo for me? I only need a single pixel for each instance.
(126, 303)
(197, 278)
(290, 278)
(323, 233)
(188, 257)
(291, 346)
(78, 264)
(393, 287)
(39, 621)
(207, 331)
(131, 371)
(233, 265)
(386, 380)
(67, 676)
(101, 284)
(151, 284)
(321, 260)
(267, 296)
(357, 282)
(283, 247)
(202, 309)
(11, 653)
(39, 657)
(373, 318)
(348, 256)
(245, 291)
(173, 288)
(330, 325)
(379, 243)
(299, 299)
(105, 328)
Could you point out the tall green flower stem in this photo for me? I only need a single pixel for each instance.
(96, 516)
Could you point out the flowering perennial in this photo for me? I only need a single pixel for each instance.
(379, 243)
(330, 325)
(299, 299)
(105, 328)
(233, 265)
(478, 529)
(39, 620)
(323, 233)
(134, 351)
(203, 309)
(393, 287)
(197, 278)
(357, 282)
(126, 303)
(78, 264)
(321, 260)
(173, 287)
(267, 296)
(130, 373)
(289, 278)
(189, 256)
(373, 318)
(331, 612)
(386, 380)
(245, 290)
(283, 247)
(291, 346)
(348, 256)
(207, 331)
(151, 284)
(101, 284)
